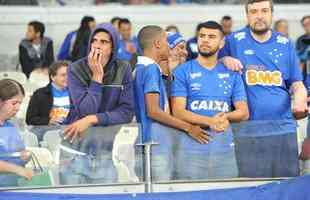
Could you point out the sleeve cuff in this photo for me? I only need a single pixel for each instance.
(103, 119)
(178, 94)
(95, 86)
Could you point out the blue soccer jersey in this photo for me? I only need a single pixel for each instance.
(269, 70)
(122, 52)
(208, 92)
(148, 79)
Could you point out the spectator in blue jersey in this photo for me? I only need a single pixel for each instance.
(65, 51)
(303, 43)
(204, 89)
(11, 166)
(50, 105)
(267, 145)
(152, 105)
(36, 50)
(191, 47)
(178, 52)
(128, 49)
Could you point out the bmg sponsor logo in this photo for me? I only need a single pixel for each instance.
(265, 78)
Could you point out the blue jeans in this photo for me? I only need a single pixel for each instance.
(162, 155)
(9, 180)
(212, 162)
(267, 156)
(77, 169)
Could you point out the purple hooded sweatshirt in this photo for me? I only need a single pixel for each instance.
(113, 100)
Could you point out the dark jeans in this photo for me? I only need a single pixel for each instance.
(267, 156)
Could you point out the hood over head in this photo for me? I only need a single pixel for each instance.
(108, 28)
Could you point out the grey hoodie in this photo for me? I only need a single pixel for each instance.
(113, 100)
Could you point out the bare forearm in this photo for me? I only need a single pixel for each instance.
(9, 167)
(299, 92)
(169, 120)
(193, 118)
(237, 116)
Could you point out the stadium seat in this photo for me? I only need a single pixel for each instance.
(52, 140)
(123, 154)
(39, 79)
(17, 76)
(46, 161)
(29, 138)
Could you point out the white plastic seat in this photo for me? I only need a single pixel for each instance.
(52, 140)
(29, 138)
(123, 154)
(17, 76)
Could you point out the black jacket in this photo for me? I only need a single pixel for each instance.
(40, 106)
(29, 58)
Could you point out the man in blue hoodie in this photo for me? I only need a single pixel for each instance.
(100, 85)
(101, 91)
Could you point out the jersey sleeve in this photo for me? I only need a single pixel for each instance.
(151, 79)
(238, 93)
(226, 50)
(179, 83)
(294, 71)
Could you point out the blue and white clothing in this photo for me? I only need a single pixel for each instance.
(270, 68)
(10, 142)
(61, 103)
(208, 92)
(122, 52)
(148, 79)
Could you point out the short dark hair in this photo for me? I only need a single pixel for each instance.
(168, 28)
(52, 71)
(147, 34)
(226, 17)
(210, 25)
(114, 19)
(304, 18)
(123, 21)
(257, 1)
(10, 88)
(38, 27)
(276, 23)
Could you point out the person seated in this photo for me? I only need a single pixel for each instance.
(11, 167)
(50, 105)
(35, 51)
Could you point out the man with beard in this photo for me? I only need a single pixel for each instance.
(203, 89)
(267, 145)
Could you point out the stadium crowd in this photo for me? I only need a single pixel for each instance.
(104, 75)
